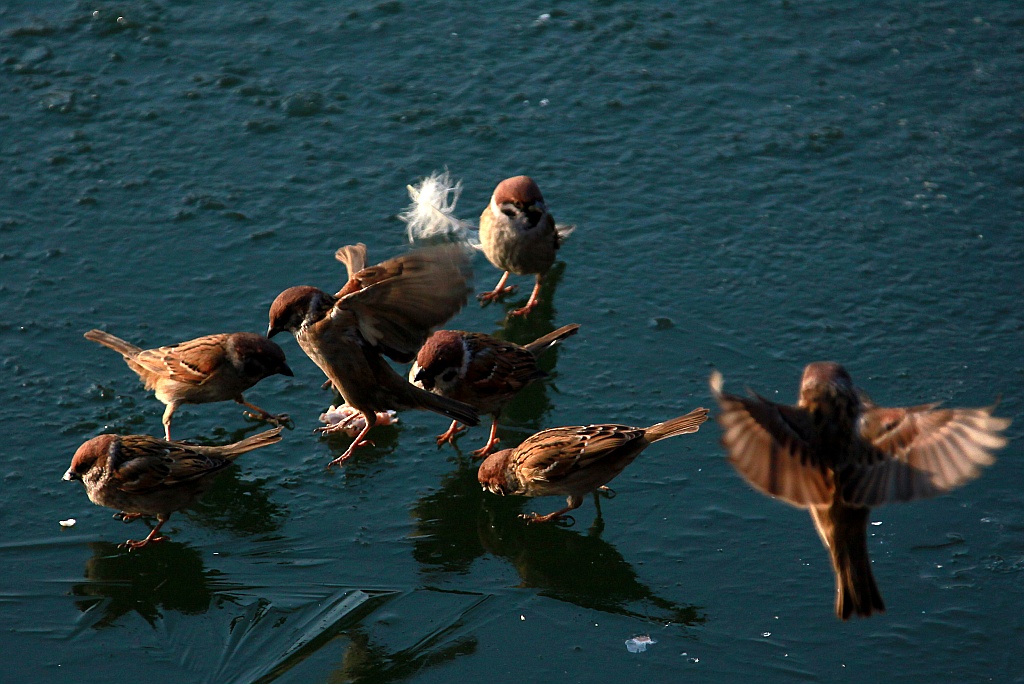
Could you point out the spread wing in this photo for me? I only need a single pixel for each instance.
(921, 451)
(408, 297)
(557, 454)
(191, 362)
(768, 445)
(141, 463)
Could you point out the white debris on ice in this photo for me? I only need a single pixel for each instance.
(70, 522)
(639, 643)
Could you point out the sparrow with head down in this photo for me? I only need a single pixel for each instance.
(519, 235)
(481, 371)
(837, 454)
(146, 476)
(388, 309)
(574, 461)
(210, 368)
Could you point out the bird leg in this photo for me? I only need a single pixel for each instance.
(259, 414)
(531, 304)
(359, 441)
(498, 292)
(492, 441)
(449, 435)
(573, 502)
(168, 412)
(151, 539)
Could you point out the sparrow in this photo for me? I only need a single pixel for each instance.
(518, 235)
(481, 371)
(210, 368)
(573, 461)
(837, 454)
(388, 309)
(143, 475)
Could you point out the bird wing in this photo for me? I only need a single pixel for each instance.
(768, 444)
(920, 451)
(191, 362)
(557, 454)
(499, 367)
(409, 296)
(141, 463)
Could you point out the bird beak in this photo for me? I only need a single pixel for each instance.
(419, 376)
(285, 370)
(271, 331)
(71, 475)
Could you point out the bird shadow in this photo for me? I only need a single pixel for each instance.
(459, 523)
(164, 577)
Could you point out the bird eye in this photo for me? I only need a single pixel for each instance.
(508, 211)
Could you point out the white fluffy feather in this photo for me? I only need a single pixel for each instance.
(432, 212)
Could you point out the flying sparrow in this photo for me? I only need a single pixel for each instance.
(837, 454)
(210, 368)
(518, 235)
(573, 461)
(388, 309)
(481, 371)
(143, 475)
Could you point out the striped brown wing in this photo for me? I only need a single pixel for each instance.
(409, 296)
(558, 453)
(768, 444)
(920, 451)
(191, 362)
(141, 463)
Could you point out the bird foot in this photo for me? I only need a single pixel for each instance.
(279, 420)
(606, 492)
(449, 436)
(487, 448)
(127, 517)
(132, 544)
(495, 295)
(348, 452)
(559, 518)
(523, 311)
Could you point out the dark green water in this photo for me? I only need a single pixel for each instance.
(775, 183)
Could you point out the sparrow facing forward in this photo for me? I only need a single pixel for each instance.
(143, 475)
(388, 309)
(518, 235)
(837, 454)
(481, 371)
(210, 368)
(573, 461)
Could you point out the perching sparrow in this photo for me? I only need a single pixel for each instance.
(573, 461)
(837, 454)
(480, 370)
(210, 368)
(385, 309)
(518, 235)
(143, 475)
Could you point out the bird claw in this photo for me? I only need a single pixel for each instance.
(348, 452)
(449, 436)
(132, 544)
(606, 492)
(279, 420)
(127, 517)
(487, 449)
(498, 294)
(523, 311)
(560, 520)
